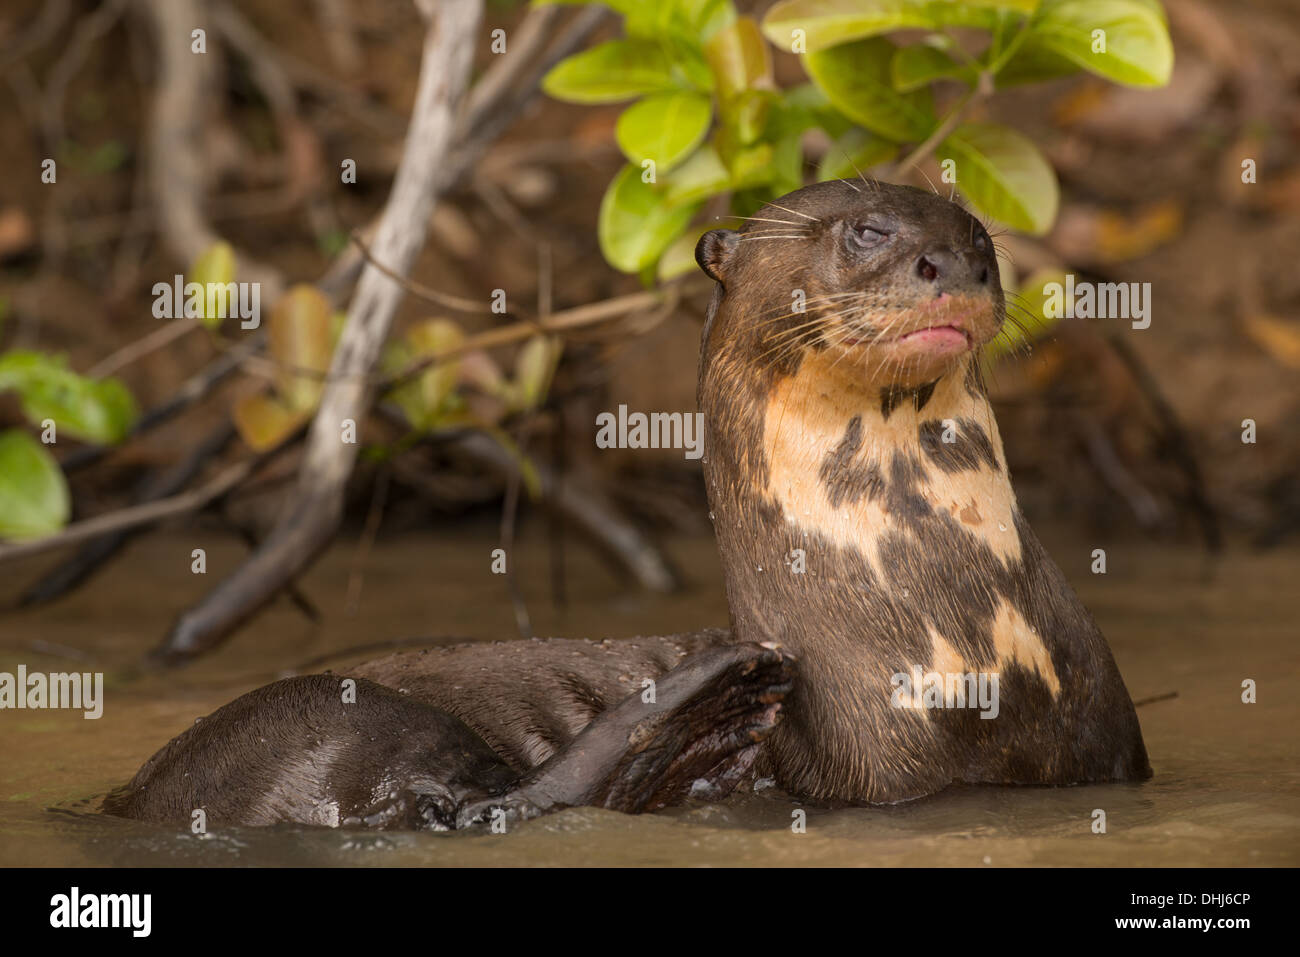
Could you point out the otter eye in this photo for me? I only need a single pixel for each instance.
(981, 243)
(865, 235)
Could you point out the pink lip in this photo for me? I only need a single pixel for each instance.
(947, 338)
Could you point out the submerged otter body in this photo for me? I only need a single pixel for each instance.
(869, 537)
(345, 751)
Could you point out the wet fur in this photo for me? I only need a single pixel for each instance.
(916, 554)
(916, 551)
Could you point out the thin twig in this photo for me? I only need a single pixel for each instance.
(53, 13)
(135, 515)
(981, 91)
(1152, 699)
(419, 290)
(88, 29)
(509, 513)
(374, 517)
(195, 388)
(160, 337)
(558, 323)
(96, 553)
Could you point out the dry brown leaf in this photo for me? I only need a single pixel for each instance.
(1280, 338)
(1089, 235)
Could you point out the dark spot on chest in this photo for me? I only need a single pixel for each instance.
(903, 498)
(892, 397)
(845, 478)
(970, 446)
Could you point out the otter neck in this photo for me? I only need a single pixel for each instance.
(825, 492)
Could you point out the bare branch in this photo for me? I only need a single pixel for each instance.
(315, 511)
(137, 515)
(176, 165)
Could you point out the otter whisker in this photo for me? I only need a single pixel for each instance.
(807, 306)
(795, 212)
(761, 219)
(789, 339)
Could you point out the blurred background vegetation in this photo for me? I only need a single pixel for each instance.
(1121, 168)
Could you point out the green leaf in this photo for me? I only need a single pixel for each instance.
(751, 166)
(613, 71)
(527, 470)
(214, 270)
(747, 114)
(702, 175)
(263, 421)
(826, 23)
(1138, 49)
(804, 107)
(1034, 323)
(427, 398)
(664, 127)
(1034, 62)
(300, 337)
(95, 410)
(636, 223)
(1004, 174)
(854, 152)
(787, 165)
(920, 64)
(34, 499)
(679, 258)
(697, 19)
(855, 78)
(704, 18)
(738, 58)
(534, 368)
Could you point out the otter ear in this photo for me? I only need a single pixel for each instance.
(714, 250)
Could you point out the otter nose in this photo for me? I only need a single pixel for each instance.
(939, 264)
(936, 264)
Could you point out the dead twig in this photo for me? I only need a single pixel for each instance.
(136, 515)
(195, 388)
(374, 517)
(292, 590)
(92, 556)
(509, 514)
(419, 290)
(177, 170)
(1152, 699)
(516, 83)
(53, 15)
(583, 503)
(88, 30)
(158, 339)
(313, 516)
(1176, 442)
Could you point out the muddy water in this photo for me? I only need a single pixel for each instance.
(1226, 788)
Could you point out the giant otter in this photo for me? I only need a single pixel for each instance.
(869, 538)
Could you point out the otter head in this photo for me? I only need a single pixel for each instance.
(894, 285)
